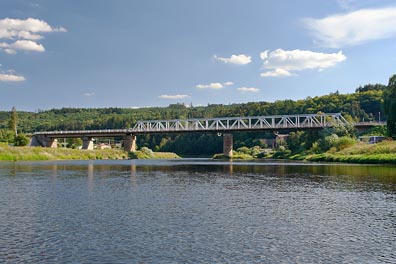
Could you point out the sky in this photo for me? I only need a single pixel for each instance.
(133, 53)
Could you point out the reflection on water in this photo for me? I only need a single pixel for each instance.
(196, 211)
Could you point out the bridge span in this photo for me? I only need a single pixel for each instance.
(224, 125)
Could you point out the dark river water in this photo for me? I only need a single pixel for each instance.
(193, 211)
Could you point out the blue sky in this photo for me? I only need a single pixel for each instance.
(134, 53)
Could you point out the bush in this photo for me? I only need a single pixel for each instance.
(282, 153)
(147, 152)
(344, 142)
(244, 150)
(328, 142)
(20, 140)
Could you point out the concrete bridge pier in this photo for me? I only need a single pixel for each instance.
(87, 143)
(227, 144)
(43, 141)
(129, 143)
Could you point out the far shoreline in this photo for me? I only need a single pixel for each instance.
(360, 153)
(381, 153)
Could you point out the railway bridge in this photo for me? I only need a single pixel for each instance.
(222, 125)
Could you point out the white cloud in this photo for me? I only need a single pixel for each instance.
(277, 73)
(26, 45)
(214, 86)
(248, 89)
(60, 29)
(264, 54)
(88, 94)
(353, 28)
(175, 96)
(24, 34)
(29, 24)
(286, 62)
(240, 59)
(10, 77)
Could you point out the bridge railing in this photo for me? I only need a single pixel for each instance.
(83, 132)
(241, 123)
(371, 123)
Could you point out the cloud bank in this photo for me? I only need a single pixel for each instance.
(240, 59)
(353, 28)
(24, 34)
(287, 62)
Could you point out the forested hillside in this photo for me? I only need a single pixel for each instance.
(365, 104)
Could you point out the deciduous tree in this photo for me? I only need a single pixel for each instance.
(390, 106)
(13, 122)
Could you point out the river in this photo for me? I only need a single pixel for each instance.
(196, 210)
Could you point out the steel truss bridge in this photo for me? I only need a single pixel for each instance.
(250, 123)
(223, 125)
(241, 123)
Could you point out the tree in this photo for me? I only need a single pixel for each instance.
(370, 87)
(6, 136)
(390, 106)
(13, 122)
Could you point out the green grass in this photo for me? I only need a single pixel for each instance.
(384, 152)
(8, 153)
(154, 155)
(235, 156)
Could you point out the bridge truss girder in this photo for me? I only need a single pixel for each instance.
(304, 121)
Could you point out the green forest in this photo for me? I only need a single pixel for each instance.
(365, 104)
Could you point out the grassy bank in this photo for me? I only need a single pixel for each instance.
(384, 152)
(381, 153)
(235, 156)
(8, 153)
(146, 153)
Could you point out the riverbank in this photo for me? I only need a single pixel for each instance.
(9, 153)
(380, 153)
(363, 153)
(146, 153)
